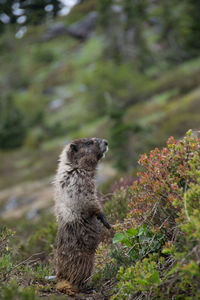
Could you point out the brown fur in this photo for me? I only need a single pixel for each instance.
(77, 210)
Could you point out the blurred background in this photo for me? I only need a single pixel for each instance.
(127, 71)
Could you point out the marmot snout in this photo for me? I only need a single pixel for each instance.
(78, 213)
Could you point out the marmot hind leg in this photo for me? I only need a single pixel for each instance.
(73, 270)
(66, 287)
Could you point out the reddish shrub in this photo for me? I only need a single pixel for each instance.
(157, 196)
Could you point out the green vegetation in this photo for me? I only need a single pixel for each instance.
(164, 257)
(140, 241)
(130, 99)
(23, 267)
(12, 127)
(134, 80)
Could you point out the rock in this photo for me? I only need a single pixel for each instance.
(32, 214)
(80, 30)
(54, 31)
(11, 204)
(55, 104)
(83, 28)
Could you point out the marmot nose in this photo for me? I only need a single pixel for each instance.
(103, 144)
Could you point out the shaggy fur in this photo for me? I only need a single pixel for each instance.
(78, 213)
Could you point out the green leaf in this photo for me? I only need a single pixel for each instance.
(118, 237)
(143, 282)
(134, 254)
(132, 232)
(155, 278)
(173, 270)
(189, 132)
(127, 242)
(142, 230)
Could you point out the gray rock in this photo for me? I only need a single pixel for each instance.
(32, 214)
(83, 28)
(54, 31)
(55, 104)
(80, 30)
(11, 204)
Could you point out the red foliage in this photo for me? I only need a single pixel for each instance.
(158, 193)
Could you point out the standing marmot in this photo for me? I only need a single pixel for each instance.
(78, 212)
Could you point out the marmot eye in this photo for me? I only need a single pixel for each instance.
(89, 143)
(74, 147)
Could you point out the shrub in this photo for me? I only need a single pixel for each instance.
(186, 271)
(160, 189)
(12, 125)
(166, 198)
(127, 249)
(41, 271)
(108, 262)
(11, 291)
(139, 242)
(6, 263)
(142, 277)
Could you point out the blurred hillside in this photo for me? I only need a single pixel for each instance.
(131, 77)
(127, 71)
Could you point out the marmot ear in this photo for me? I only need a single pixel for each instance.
(73, 147)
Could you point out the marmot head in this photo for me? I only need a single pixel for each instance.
(85, 153)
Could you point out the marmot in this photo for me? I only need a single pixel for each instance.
(78, 212)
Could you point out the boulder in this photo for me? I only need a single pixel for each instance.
(80, 30)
